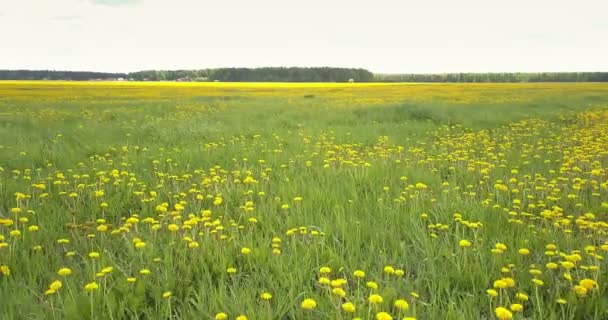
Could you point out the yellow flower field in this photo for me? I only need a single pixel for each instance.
(303, 201)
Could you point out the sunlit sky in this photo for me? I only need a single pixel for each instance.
(388, 36)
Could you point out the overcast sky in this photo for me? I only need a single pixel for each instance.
(389, 36)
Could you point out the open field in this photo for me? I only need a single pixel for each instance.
(303, 201)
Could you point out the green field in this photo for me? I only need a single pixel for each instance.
(376, 201)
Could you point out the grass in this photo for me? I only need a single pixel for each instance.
(383, 178)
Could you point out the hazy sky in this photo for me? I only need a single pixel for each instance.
(380, 35)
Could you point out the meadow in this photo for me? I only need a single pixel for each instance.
(303, 201)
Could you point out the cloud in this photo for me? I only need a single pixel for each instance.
(114, 3)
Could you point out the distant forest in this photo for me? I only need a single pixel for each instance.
(325, 74)
(279, 74)
(497, 77)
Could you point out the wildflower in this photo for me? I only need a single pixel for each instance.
(521, 296)
(561, 301)
(500, 284)
(588, 284)
(325, 270)
(56, 285)
(167, 294)
(241, 317)
(464, 243)
(172, 227)
(144, 271)
(580, 290)
(503, 313)
(266, 296)
(131, 280)
(523, 251)
(94, 255)
(538, 282)
(389, 270)
(140, 244)
(5, 270)
(348, 307)
(501, 246)
(383, 316)
(372, 285)
(401, 304)
(359, 274)
(375, 299)
(339, 292)
(231, 270)
(90, 287)
(516, 307)
(309, 304)
(245, 251)
(221, 316)
(492, 293)
(64, 272)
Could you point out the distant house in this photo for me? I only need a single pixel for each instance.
(351, 80)
(184, 79)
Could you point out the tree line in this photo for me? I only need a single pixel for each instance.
(497, 77)
(57, 75)
(268, 74)
(295, 74)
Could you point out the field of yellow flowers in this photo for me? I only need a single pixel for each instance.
(303, 201)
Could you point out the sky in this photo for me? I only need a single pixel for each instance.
(383, 36)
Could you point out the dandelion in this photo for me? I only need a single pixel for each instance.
(372, 285)
(401, 304)
(56, 285)
(383, 316)
(588, 284)
(503, 313)
(516, 307)
(324, 270)
(339, 292)
(375, 299)
(64, 272)
(90, 287)
(221, 316)
(167, 294)
(464, 243)
(523, 251)
(266, 296)
(308, 304)
(389, 270)
(359, 274)
(348, 307)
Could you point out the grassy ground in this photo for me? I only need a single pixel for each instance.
(188, 201)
